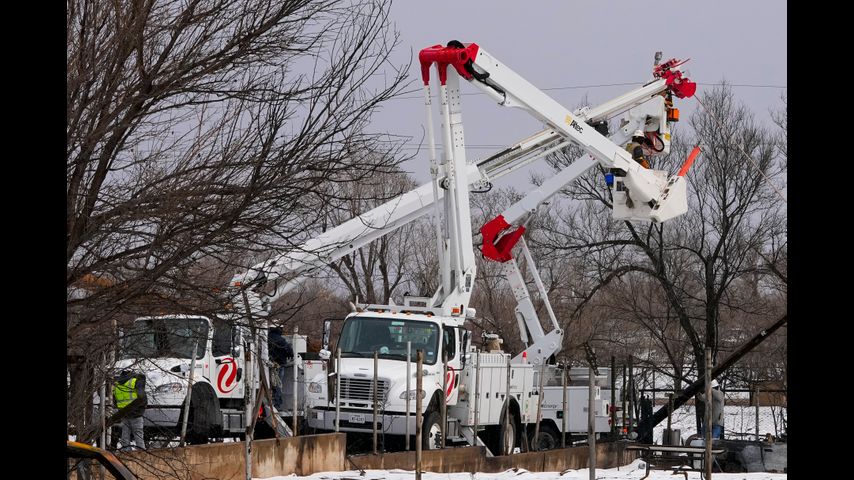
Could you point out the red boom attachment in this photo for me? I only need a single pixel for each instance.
(679, 85)
(444, 56)
(499, 251)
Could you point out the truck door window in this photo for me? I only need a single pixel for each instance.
(449, 342)
(222, 338)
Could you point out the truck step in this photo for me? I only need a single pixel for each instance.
(472, 439)
(282, 429)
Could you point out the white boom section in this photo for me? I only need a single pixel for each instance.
(357, 232)
(459, 255)
(645, 185)
(360, 231)
(648, 113)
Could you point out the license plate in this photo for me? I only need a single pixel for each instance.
(357, 418)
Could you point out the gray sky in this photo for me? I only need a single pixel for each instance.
(583, 43)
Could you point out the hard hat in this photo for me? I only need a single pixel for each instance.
(714, 384)
(638, 133)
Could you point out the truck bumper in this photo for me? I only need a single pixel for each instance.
(161, 416)
(387, 423)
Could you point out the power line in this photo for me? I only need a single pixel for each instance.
(741, 148)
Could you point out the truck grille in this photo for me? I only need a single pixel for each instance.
(363, 389)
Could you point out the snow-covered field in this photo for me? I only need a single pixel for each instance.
(739, 422)
(634, 470)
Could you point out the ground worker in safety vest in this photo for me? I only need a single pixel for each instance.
(129, 387)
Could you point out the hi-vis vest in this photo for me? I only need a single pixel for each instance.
(125, 393)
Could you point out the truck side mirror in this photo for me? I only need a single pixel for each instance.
(465, 349)
(327, 329)
(237, 351)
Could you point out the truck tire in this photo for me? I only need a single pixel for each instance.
(548, 439)
(508, 437)
(198, 422)
(431, 431)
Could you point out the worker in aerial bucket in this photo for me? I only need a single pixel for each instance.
(635, 147)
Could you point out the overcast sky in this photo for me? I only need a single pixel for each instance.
(566, 44)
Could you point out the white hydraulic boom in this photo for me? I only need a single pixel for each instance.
(360, 231)
(661, 198)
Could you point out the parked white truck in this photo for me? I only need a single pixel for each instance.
(161, 347)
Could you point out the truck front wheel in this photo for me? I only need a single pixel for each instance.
(198, 422)
(431, 432)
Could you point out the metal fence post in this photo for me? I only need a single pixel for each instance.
(591, 422)
(295, 418)
(631, 396)
(376, 397)
(189, 396)
(536, 445)
(564, 411)
(708, 412)
(444, 395)
(669, 420)
(613, 406)
(476, 392)
(506, 426)
(625, 392)
(756, 400)
(338, 391)
(408, 387)
(419, 360)
(103, 414)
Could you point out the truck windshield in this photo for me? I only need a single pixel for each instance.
(362, 336)
(165, 337)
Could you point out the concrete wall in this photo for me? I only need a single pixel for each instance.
(324, 453)
(225, 461)
(474, 459)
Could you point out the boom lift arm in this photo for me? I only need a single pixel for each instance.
(380, 221)
(650, 113)
(360, 231)
(654, 196)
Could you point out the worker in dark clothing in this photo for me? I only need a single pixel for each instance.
(717, 411)
(645, 413)
(635, 147)
(280, 351)
(129, 393)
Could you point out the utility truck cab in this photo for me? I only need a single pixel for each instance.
(162, 347)
(396, 337)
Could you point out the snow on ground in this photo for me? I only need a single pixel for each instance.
(739, 422)
(634, 470)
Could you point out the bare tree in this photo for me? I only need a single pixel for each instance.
(201, 128)
(695, 261)
(373, 273)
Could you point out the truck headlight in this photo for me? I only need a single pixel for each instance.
(315, 387)
(411, 394)
(176, 387)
